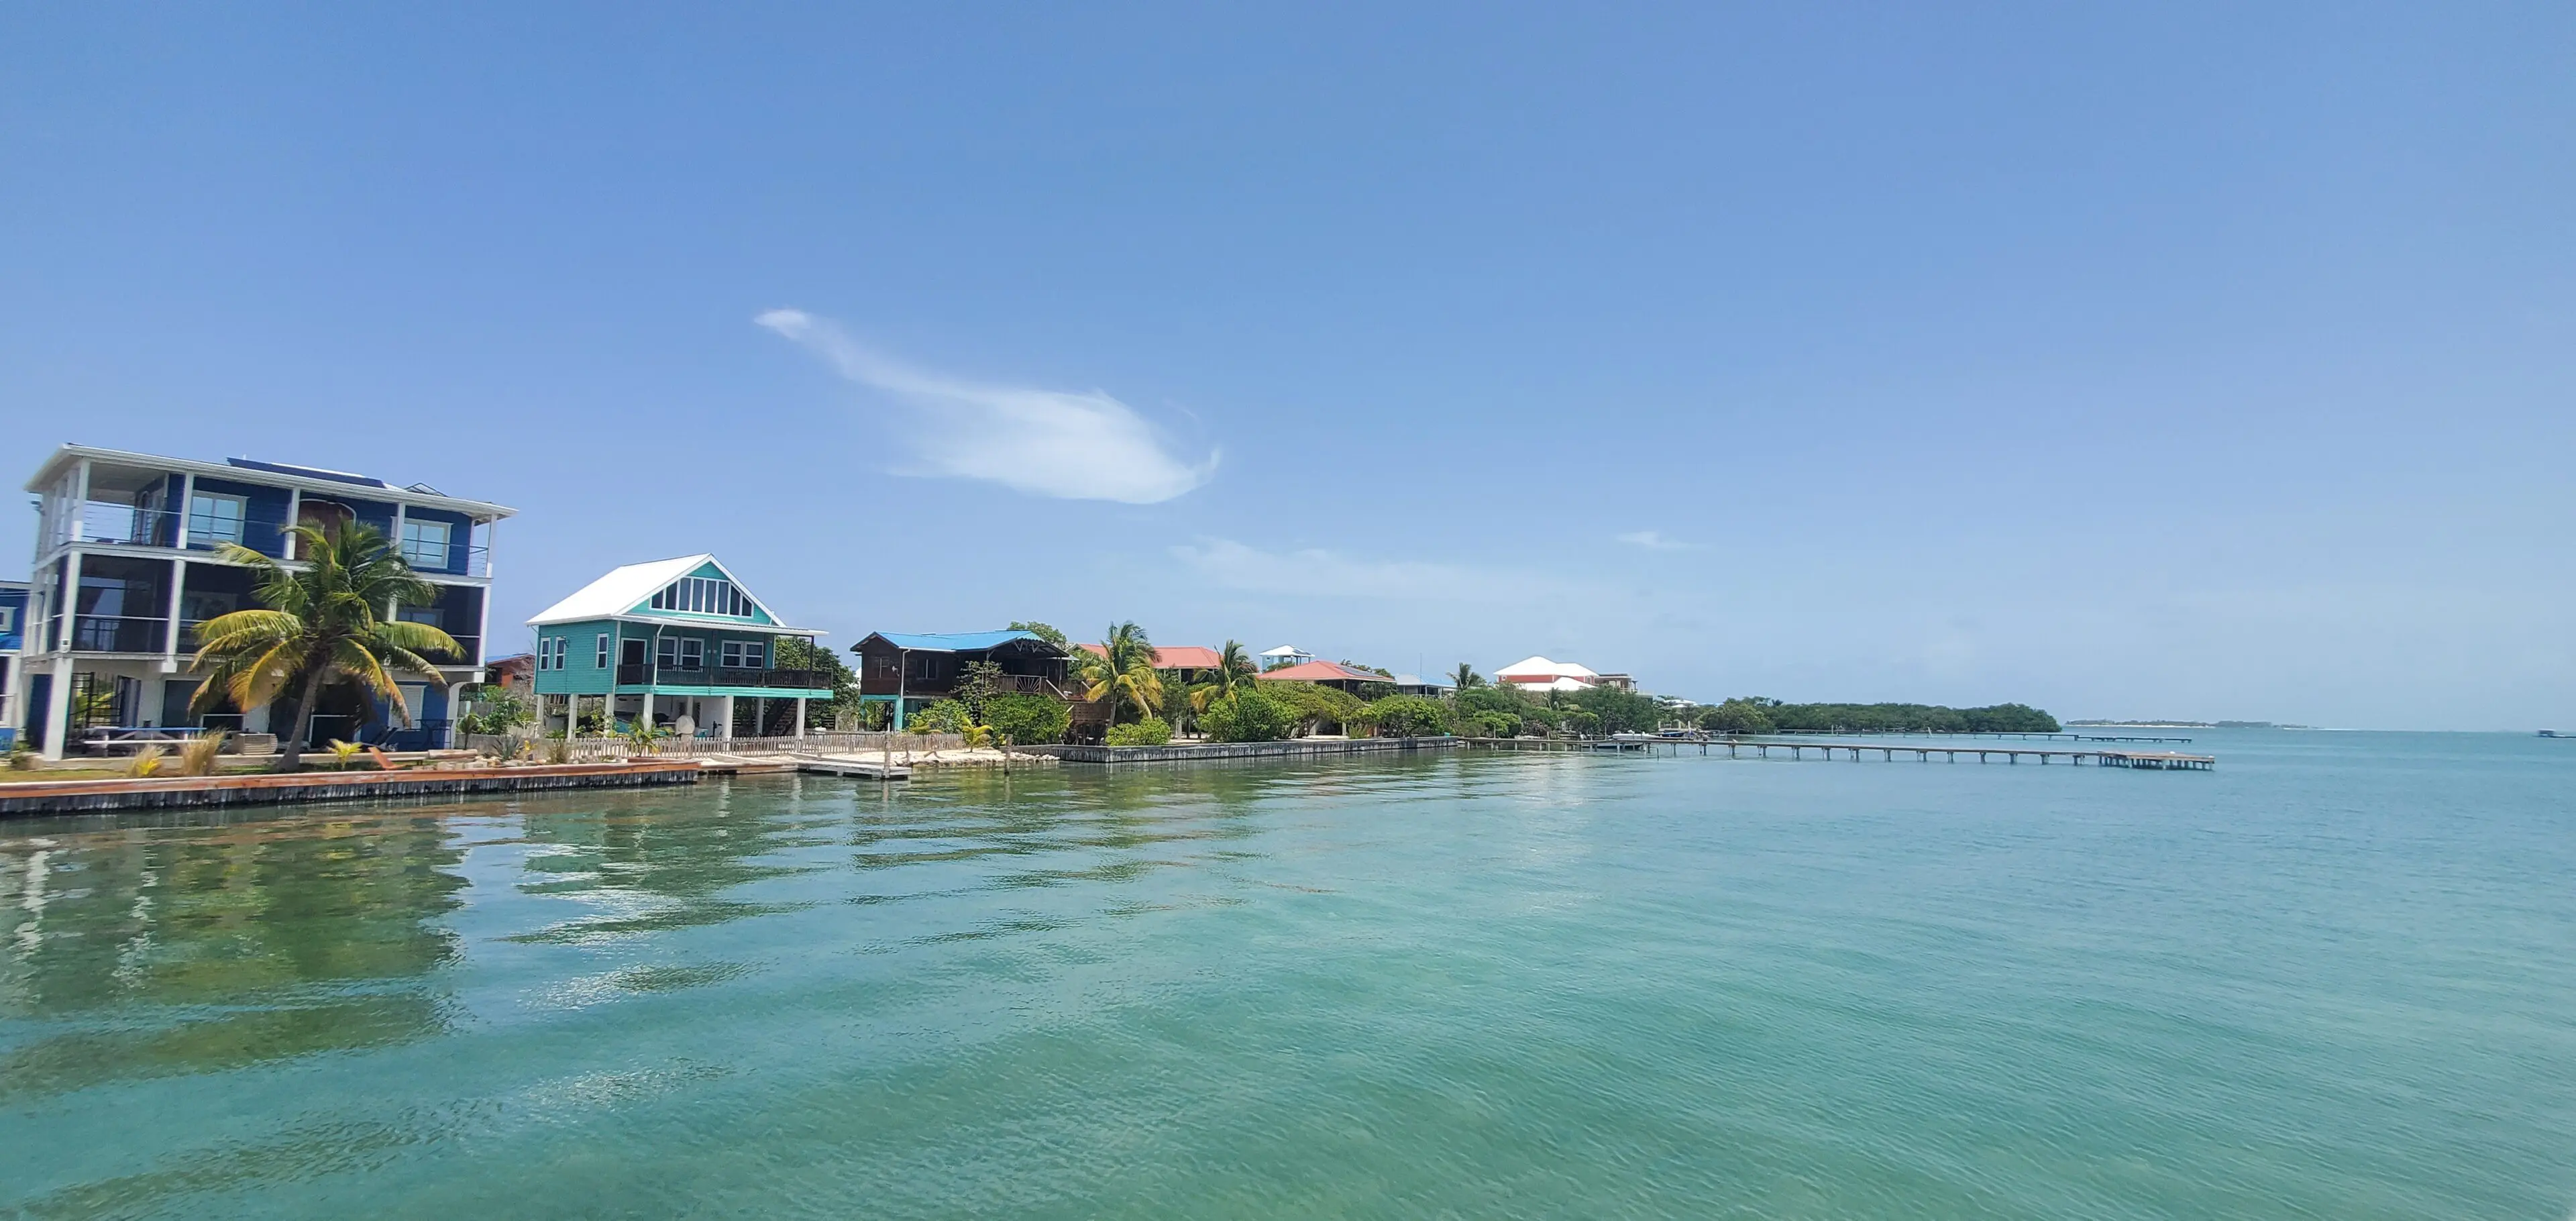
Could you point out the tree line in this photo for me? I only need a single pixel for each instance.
(1759, 714)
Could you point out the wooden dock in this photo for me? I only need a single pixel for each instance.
(2152, 760)
(843, 765)
(1986, 751)
(1945, 733)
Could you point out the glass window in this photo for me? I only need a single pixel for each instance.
(667, 652)
(423, 614)
(424, 543)
(693, 654)
(744, 655)
(216, 518)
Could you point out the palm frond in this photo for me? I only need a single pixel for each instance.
(260, 677)
(245, 629)
(417, 638)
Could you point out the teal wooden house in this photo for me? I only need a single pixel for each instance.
(679, 643)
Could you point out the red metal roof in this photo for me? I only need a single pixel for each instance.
(1325, 672)
(1177, 657)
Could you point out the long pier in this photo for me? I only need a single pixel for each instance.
(1947, 733)
(1737, 748)
(2153, 760)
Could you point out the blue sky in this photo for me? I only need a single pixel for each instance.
(2190, 361)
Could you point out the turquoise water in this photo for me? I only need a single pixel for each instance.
(2335, 978)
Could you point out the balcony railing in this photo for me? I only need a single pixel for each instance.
(718, 676)
(453, 561)
(933, 688)
(119, 634)
(110, 524)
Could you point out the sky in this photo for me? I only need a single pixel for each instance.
(2198, 361)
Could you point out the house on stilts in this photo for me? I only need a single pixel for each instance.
(672, 639)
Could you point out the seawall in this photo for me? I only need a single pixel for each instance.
(185, 792)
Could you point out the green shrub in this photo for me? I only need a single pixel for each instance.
(1152, 731)
(1028, 719)
(942, 716)
(1247, 715)
(1491, 724)
(1738, 715)
(1408, 716)
(1312, 706)
(1617, 711)
(499, 710)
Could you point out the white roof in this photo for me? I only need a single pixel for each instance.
(613, 594)
(1285, 650)
(1540, 667)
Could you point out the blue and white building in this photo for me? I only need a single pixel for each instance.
(13, 627)
(126, 567)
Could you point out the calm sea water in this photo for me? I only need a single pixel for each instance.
(2335, 978)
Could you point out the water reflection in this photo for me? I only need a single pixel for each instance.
(662, 860)
(145, 948)
(143, 951)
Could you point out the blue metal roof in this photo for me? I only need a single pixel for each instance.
(954, 642)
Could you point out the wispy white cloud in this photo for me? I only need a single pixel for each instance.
(1653, 541)
(1077, 446)
(1315, 572)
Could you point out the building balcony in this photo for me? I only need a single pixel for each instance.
(717, 676)
(935, 687)
(119, 634)
(108, 524)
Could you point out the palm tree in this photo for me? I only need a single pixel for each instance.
(323, 621)
(1234, 671)
(1467, 677)
(1123, 669)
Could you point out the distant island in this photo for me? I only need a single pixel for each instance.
(2164, 724)
(1757, 714)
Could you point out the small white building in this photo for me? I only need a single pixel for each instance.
(1284, 656)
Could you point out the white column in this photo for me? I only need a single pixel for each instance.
(483, 632)
(13, 705)
(402, 513)
(80, 502)
(294, 512)
(800, 716)
(726, 731)
(187, 494)
(71, 601)
(170, 651)
(644, 711)
(58, 707)
(455, 701)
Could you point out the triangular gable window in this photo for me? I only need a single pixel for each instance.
(705, 596)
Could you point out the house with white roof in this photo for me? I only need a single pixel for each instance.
(669, 639)
(1538, 675)
(1282, 657)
